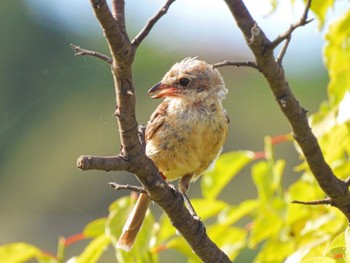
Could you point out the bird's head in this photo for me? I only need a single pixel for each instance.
(190, 79)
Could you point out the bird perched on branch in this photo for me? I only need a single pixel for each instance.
(186, 132)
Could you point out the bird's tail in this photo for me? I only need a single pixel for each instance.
(134, 223)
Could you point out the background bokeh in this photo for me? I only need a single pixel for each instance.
(55, 107)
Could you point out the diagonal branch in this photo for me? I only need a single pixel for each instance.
(114, 30)
(132, 156)
(336, 189)
(151, 22)
(302, 22)
(283, 50)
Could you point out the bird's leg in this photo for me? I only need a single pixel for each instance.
(184, 184)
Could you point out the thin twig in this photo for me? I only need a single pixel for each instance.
(326, 201)
(302, 22)
(250, 64)
(283, 50)
(134, 188)
(78, 51)
(105, 163)
(150, 23)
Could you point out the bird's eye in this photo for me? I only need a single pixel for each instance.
(184, 82)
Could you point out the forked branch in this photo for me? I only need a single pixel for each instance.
(132, 156)
(262, 48)
(151, 22)
(302, 22)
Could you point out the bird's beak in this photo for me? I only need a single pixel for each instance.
(161, 90)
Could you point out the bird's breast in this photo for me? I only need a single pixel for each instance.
(189, 140)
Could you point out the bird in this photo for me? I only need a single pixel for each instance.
(185, 134)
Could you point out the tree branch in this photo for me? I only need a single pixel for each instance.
(302, 22)
(134, 188)
(283, 50)
(236, 64)
(132, 156)
(151, 22)
(78, 51)
(336, 189)
(114, 31)
(105, 163)
(326, 201)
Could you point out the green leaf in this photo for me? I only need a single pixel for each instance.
(95, 228)
(320, 8)
(46, 258)
(208, 208)
(231, 215)
(118, 213)
(307, 245)
(167, 230)
(229, 239)
(181, 245)
(94, 250)
(338, 242)
(275, 251)
(18, 252)
(319, 260)
(266, 225)
(336, 56)
(227, 166)
(146, 238)
(347, 244)
(334, 142)
(263, 180)
(336, 247)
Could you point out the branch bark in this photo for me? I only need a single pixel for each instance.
(132, 156)
(262, 48)
(236, 64)
(78, 51)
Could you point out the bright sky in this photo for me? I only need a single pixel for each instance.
(191, 21)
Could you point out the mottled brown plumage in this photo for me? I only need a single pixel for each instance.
(186, 132)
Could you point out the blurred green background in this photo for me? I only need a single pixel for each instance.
(55, 107)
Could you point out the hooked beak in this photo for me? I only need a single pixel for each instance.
(161, 90)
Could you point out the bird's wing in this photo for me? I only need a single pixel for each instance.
(157, 120)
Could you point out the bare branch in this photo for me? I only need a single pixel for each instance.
(134, 188)
(283, 50)
(150, 23)
(302, 22)
(105, 163)
(114, 31)
(132, 156)
(236, 64)
(78, 51)
(326, 201)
